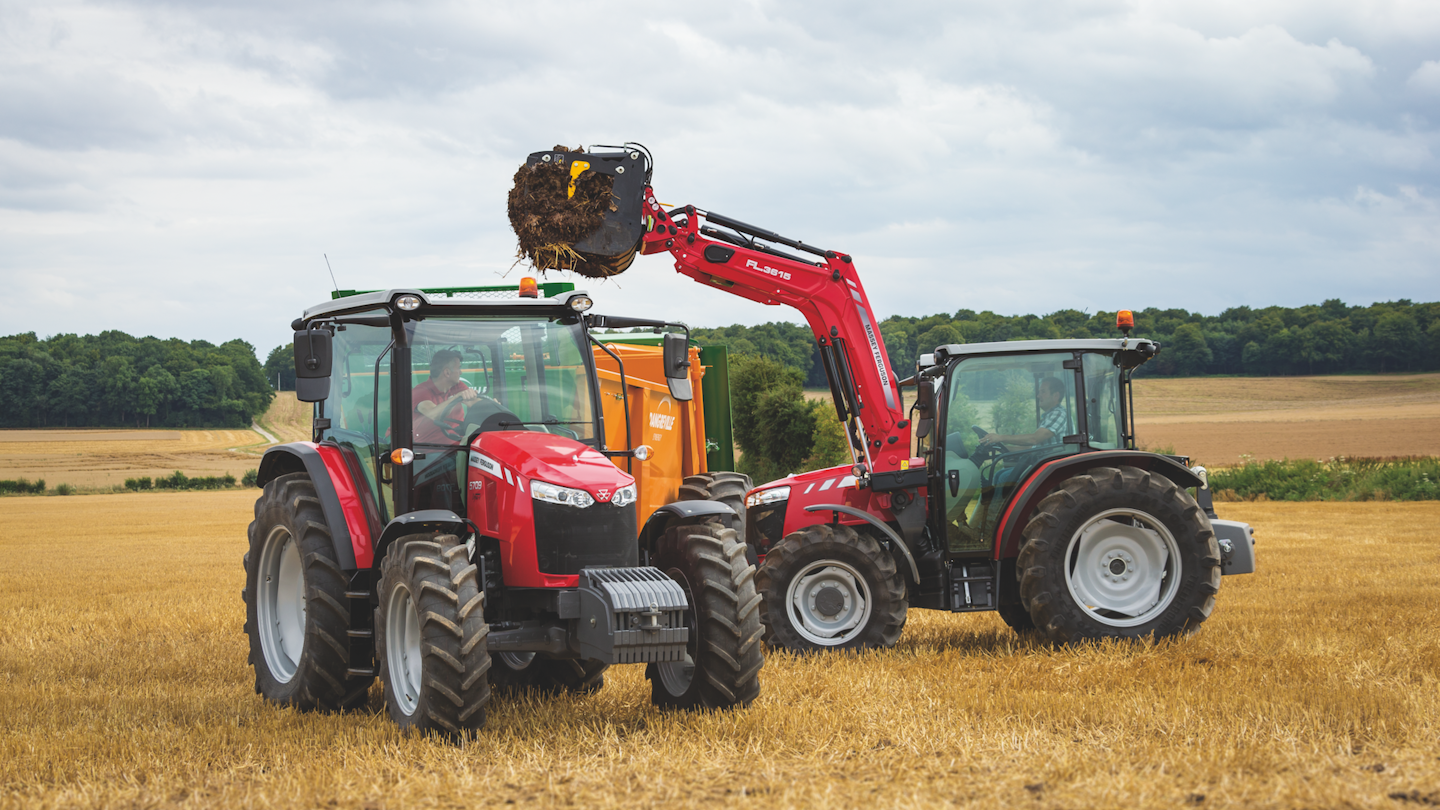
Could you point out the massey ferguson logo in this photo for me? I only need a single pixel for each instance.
(602, 494)
(769, 271)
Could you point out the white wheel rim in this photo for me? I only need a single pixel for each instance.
(828, 602)
(1123, 567)
(402, 649)
(280, 606)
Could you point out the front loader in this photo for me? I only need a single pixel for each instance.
(459, 520)
(1013, 483)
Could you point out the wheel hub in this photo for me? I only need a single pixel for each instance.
(402, 649)
(828, 602)
(1122, 567)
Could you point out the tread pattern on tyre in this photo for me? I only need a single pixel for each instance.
(727, 631)
(1041, 565)
(728, 488)
(455, 656)
(827, 541)
(320, 681)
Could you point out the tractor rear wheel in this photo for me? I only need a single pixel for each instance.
(431, 636)
(723, 658)
(1118, 552)
(728, 488)
(1017, 617)
(296, 613)
(830, 587)
(512, 670)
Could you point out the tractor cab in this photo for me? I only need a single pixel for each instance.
(1005, 409)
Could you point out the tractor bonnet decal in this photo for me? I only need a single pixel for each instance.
(485, 463)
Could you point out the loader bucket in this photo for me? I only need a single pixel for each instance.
(580, 211)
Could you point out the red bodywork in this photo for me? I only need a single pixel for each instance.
(501, 466)
(830, 296)
(351, 502)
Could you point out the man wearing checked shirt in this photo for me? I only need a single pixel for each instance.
(1052, 421)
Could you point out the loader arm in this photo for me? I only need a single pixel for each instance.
(823, 285)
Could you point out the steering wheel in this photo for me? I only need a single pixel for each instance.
(991, 449)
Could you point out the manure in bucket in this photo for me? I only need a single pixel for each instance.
(549, 220)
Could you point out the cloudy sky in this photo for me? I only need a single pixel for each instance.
(181, 169)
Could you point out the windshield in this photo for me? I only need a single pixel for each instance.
(480, 374)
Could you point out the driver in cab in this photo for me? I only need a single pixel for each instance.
(1052, 419)
(440, 401)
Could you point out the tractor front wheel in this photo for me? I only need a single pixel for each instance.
(728, 488)
(1118, 552)
(431, 636)
(296, 614)
(830, 587)
(722, 661)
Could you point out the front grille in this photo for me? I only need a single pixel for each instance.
(600, 535)
(765, 525)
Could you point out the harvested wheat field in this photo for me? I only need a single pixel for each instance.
(102, 458)
(1218, 420)
(1315, 684)
(105, 458)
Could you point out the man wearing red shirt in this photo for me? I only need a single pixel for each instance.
(441, 400)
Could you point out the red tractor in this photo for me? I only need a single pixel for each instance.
(1012, 484)
(457, 522)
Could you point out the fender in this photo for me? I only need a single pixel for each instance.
(662, 518)
(340, 499)
(1050, 475)
(422, 521)
(877, 523)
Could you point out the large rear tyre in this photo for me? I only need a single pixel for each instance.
(431, 636)
(296, 614)
(1118, 552)
(728, 488)
(723, 659)
(510, 670)
(830, 588)
(1017, 617)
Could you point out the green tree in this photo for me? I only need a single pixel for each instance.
(1192, 354)
(280, 367)
(1395, 343)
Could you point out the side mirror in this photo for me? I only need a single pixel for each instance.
(312, 365)
(925, 404)
(677, 366)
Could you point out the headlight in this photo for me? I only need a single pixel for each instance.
(566, 496)
(408, 302)
(624, 496)
(580, 303)
(767, 496)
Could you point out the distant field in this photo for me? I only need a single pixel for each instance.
(1217, 420)
(1316, 683)
(102, 458)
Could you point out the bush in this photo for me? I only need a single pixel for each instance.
(250, 478)
(64, 489)
(138, 484)
(1415, 478)
(23, 486)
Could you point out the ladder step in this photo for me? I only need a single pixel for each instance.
(357, 594)
(360, 672)
(361, 633)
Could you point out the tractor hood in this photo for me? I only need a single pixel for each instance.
(553, 459)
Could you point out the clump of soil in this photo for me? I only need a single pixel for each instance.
(549, 221)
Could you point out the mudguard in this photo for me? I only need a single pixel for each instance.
(662, 518)
(424, 520)
(340, 499)
(1049, 475)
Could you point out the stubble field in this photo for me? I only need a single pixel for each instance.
(1316, 683)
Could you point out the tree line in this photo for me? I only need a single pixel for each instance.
(1327, 338)
(112, 380)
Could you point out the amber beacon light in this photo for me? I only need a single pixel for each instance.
(1125, 321)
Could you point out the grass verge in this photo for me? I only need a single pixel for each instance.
(1415, 478)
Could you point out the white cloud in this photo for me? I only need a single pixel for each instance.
(179, 168)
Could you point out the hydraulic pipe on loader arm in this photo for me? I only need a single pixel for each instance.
(828, 292)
